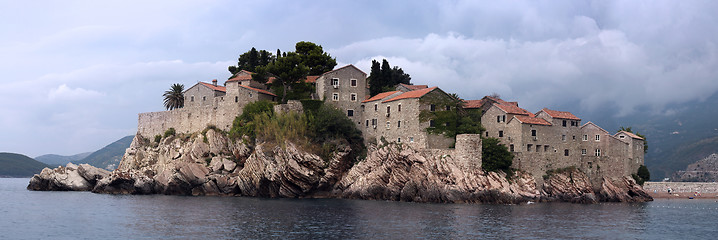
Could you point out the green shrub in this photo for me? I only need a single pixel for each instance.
(311, 105)
(243, 125)
(169, 132)
(642, 175)
(495, 156)
(331, 124)
(158, 138)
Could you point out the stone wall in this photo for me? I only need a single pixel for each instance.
(467, 152)
(290, 106)
(662, 187)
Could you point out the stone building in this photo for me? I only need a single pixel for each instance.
(345, 88)
(550, 140)
(394, 117)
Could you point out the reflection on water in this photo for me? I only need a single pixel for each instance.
(27, 214)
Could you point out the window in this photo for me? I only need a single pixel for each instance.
(411, 139)
(545, 148)
(585, 137)
(191, 99)
(388, 109)
(350, 112)
(250, 95)
(398, 108)
(448, 108)
(353, 97)
(498, 119)
(533, 132)
(563, 137)
(353, 82)
(503, 118)
(335, 82)
(511, 147)
(583, 151)
(621, 137)
(598, 137)
(367, 123)
(236, 99)
(398, 140)
(538, 148)
(598, 152)
(388, 124)
(564, 123)
(565, 152)
(373, 122)
(335, 96)
(204, 98)
(432, 107)
(501, 133)
(528, 147)
(375, 107)
(487, 134)
(398, 124)
(574, 137)
(431, 123)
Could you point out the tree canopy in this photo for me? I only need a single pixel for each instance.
(383, 77)
(495, 156)
(174, 97)
(252, 59)
(449, 117)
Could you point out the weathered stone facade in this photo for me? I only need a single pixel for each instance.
(345, 88)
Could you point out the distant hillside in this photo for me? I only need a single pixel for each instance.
(59, 160)
(18, 165)
(109, 156)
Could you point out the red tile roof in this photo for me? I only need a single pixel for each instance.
(473, 103)
(511, 109)
(630, 134)
(532, 120)
(213, 87)
(560, 114)
(412, 94)
(380, 96)
(414, 87)
(258, 90)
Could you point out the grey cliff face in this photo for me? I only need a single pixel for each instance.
(212, 164)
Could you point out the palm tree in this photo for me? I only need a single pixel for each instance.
(174, 98)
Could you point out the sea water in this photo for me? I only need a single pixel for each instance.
(83, 215)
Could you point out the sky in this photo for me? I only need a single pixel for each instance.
(75, 74)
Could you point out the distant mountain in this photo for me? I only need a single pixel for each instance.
(59, 160)
(18, 165)
(109, 156)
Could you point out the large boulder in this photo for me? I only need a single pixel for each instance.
(68, 178)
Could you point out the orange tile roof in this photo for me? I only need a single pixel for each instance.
(213, 87)
(258, 90)
(630, 134)
(473, 103)
(532, 120)
(560, 114)
(380, 96)
(414, 87)
(511, 109)
(412, 94)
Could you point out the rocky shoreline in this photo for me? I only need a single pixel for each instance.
(211, 164)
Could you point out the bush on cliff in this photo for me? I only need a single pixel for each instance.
(328, 125)
(495, 156)
(642, 175)
(243, 125)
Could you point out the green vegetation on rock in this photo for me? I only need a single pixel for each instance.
(642, 175)
(495, 156)
(18, 165)
(450, 118)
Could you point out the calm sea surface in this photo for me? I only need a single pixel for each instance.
(83, 215)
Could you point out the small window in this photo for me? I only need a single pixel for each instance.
(398, 108)
(545, 148)
(350, 112)
(373, 122)
(448, 108)
(574, 137)
(585, 137)
(388, 109)
(335, 82)
(398, 140)
(431, 123)
(598, 137)
(388, 124)
(204, 98)
(353, 97)
(376, 108)
(563, 137)
(335, 96)
(501, 133)
(411, 139)
(498, 119)
(564, 123)
(533, 132)
(367, 123)
(353, 82)
(236, 99)
(511, 147)
(503, 118)
(528, 147)
(250, 95)
(398, 124)
(583, 151)
(432, 107)
(191, 99)
(621, 137)
(538, 148)
(598, 152)
(565, 152)
(487, 134)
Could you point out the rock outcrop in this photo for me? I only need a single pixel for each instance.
(704, 170)
(69, 178)
(211, 164)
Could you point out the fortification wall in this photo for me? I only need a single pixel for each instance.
(187, 120)
(467, 152)
(662, 187)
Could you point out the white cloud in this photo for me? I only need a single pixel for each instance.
(63, 92)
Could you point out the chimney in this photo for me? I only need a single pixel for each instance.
(214, 82)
